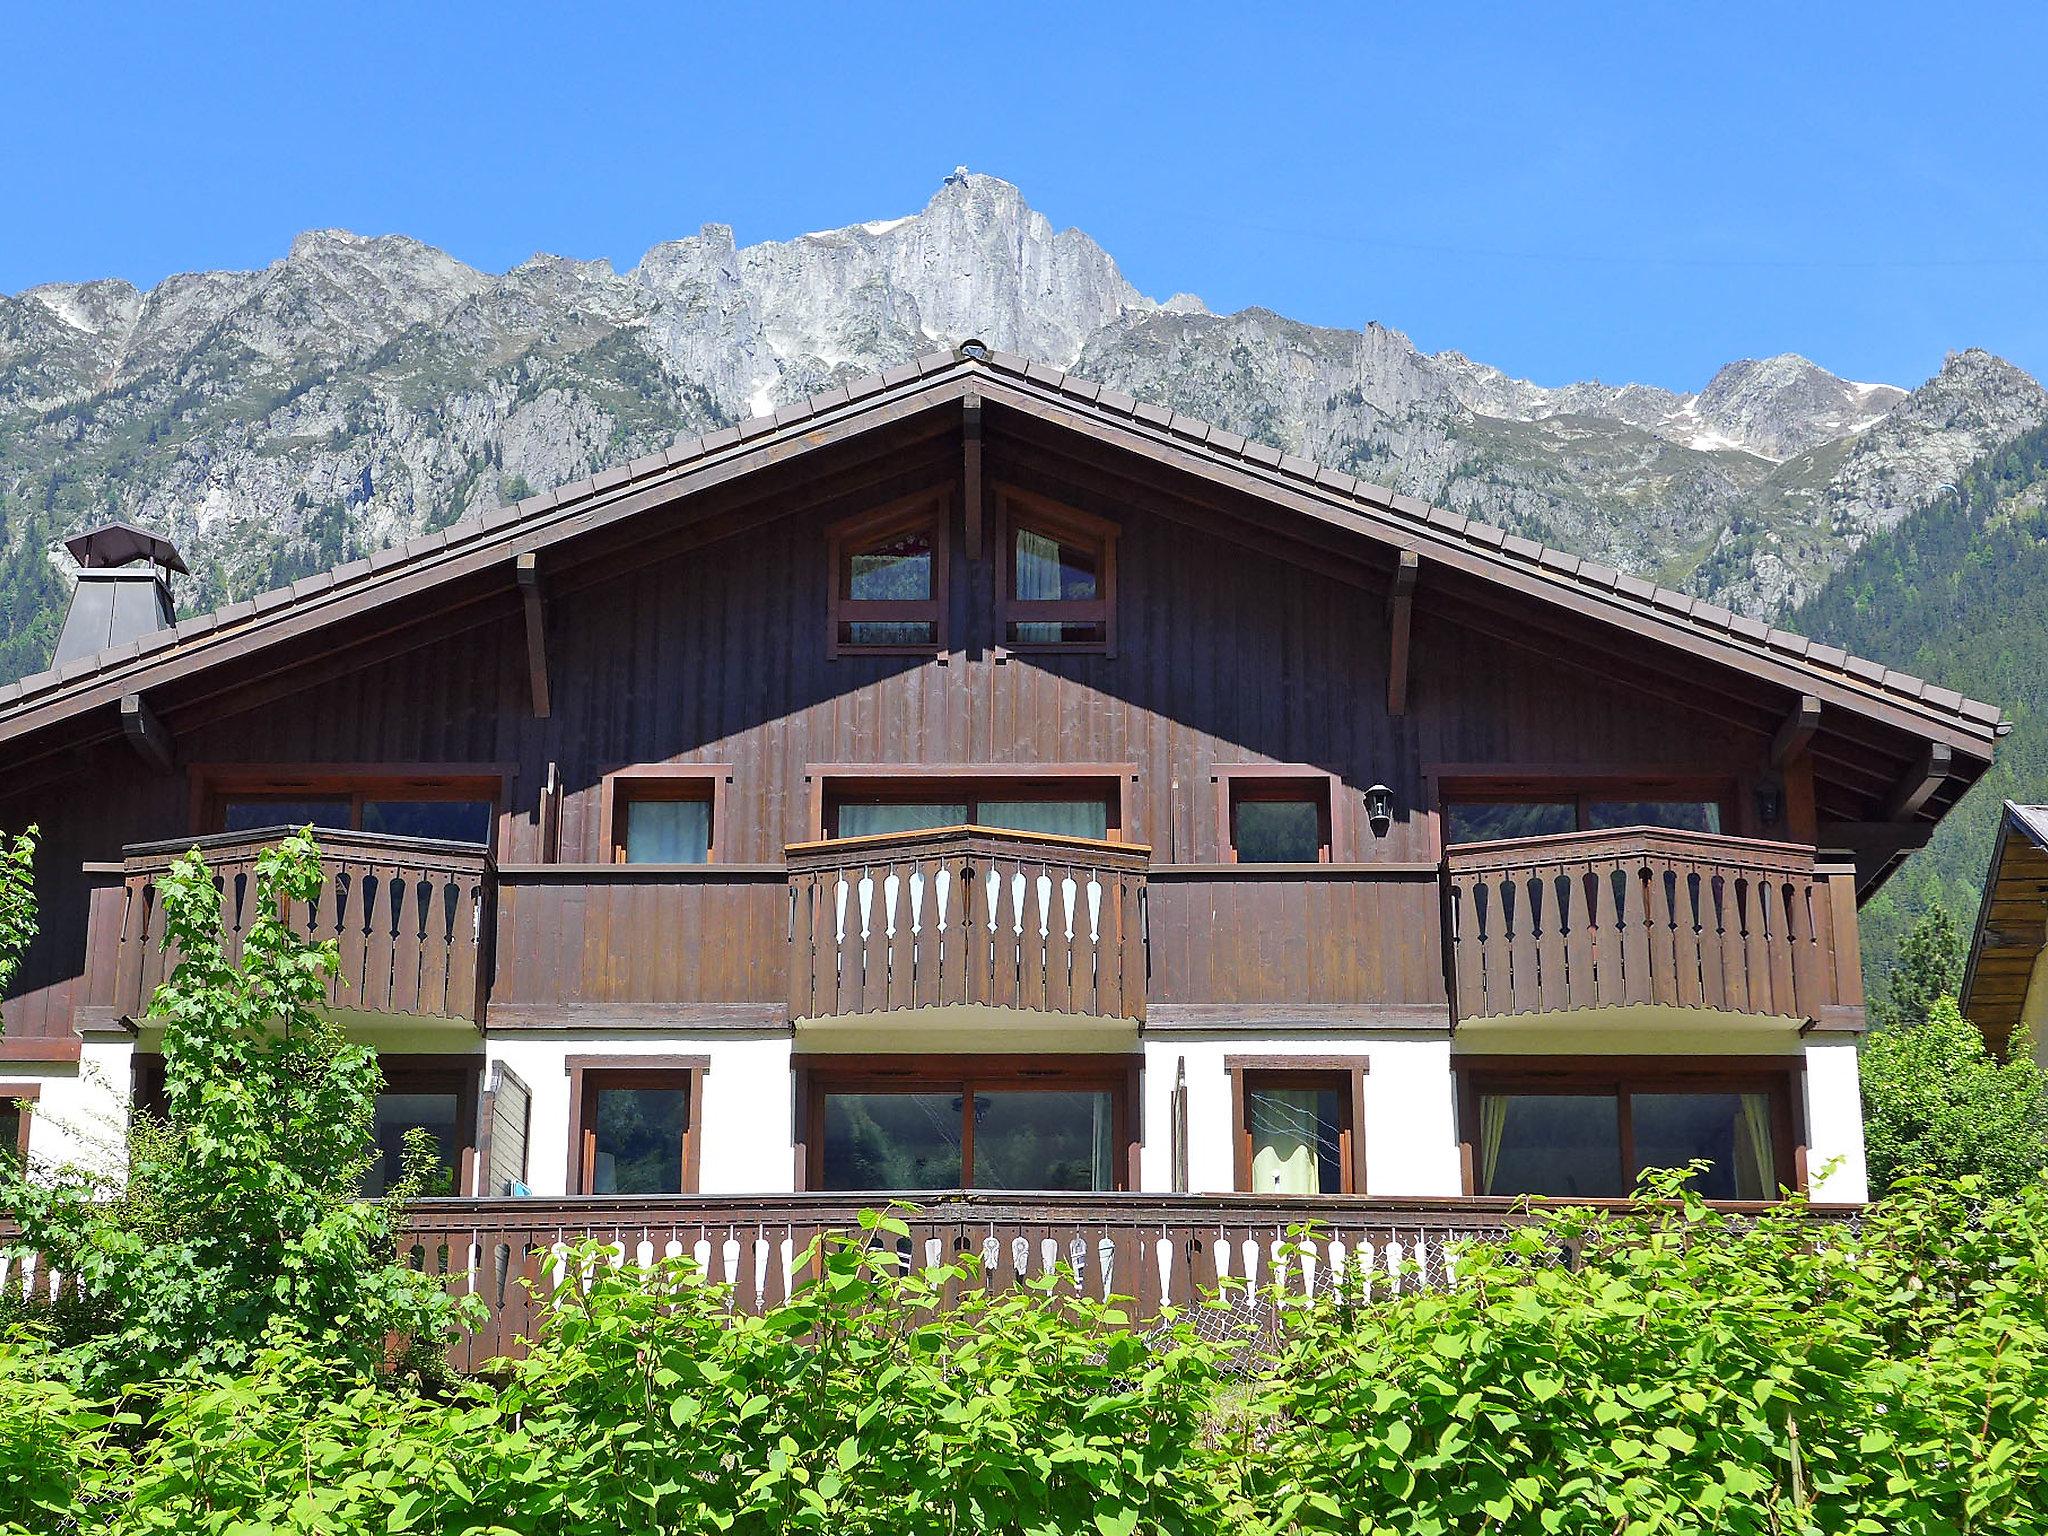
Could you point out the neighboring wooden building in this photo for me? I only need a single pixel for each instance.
(2005, 984)
(972, 777)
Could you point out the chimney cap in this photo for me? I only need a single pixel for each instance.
(120, 543)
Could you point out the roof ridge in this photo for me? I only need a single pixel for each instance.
(1499, 543)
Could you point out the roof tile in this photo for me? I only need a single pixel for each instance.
(1010, 362)
(1747, 628)
(1082, 389)
(1294, 464)
(725, 437)
(1263, 454)
(1945, 698)
(647, 464)
(1044, 373)
(1152, 415)
(1226, 442)
(1990, 714)
(1521, 548)
(860, 388)
(266, 602)
(902, 373)
(1828, 656)
(1712, 615)
(1336, 480)
(1451, 522)
(1557, 560)
(1193, 428)
(1486, 534)
(1596, 575)
(1635, 587)
(309, 586)
(937, 361)
(1116, 400)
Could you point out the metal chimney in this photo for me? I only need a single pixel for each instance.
(123, 591)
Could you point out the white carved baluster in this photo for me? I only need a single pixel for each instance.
(702, 1254)
(1105, 1257)
(1020, 1256)
(1309, 1259)
(1068, 890)
(839, 892)
(1163, 1251)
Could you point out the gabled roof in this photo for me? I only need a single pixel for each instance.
(2012, 925)
(1287, 480)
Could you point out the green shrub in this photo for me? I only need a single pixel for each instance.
(1936, 1101)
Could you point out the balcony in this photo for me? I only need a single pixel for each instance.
(967, 916)
(1647, 917)
(408, 916)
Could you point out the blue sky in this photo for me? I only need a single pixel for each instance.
(1563, 190)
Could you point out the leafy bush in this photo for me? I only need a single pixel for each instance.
(1936, 1101)
(17, 902)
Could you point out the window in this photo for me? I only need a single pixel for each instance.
(1589, 1133)
(993, 1123)
(17, 1108)
(1059, 576)
(1490, 813)
(433, 1094)
(664, 813)
(889, 573)
(1064, 807)
(455, 810)
(1298, 1124)
(633, 1124)
(1275, 813)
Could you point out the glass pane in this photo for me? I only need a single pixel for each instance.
(882, 816)
(1052, 570)
(898, 570)
(1485, 821)
(1296, 1135)
(398, 1113)
(1550, 1144)
(903, 632)
(452, 821)
(908, 1141)
(1039, 632)
(1044, 1139)
(1061, 818)
(1279, 832)
(668, 831)
(253, 815)
(1683, 815)
(1733, 1130)
(640, 1141)
(10, 1131)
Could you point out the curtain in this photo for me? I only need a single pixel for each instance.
(668, 831)
(1061, 818)
(1755, 1178)
(899, 816)
(1284, 1128)
(1493, 1125)
(1038, 581)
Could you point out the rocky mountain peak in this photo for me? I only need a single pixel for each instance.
(1783, 405)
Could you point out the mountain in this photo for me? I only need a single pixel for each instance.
(363, 389)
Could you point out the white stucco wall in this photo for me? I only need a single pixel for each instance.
(1410, 1128)
(1834, 1121)
(80, 1114)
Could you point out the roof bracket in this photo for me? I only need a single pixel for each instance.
(526, 568)
(1400, 610)
(970, 471)
(1920, 782)
(145, 733)
(1796, 732)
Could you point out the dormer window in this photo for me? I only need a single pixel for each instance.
(1059, 577)
(889, 580)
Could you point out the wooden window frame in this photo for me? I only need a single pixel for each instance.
(818, 1075)
(443, 1072)
(930, 510)
(1238, 782)
(659, 781)
(1344, 1073)
(28, 1095)
(1580, 788)
(214, 787)
(1017, 509)
(587, 1074)
(970, 782)
(1782, 1077)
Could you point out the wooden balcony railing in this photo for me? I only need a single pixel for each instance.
(1647, 916)
(408, 915)
(967, 915)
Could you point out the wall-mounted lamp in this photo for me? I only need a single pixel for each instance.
(1379, 809)
(1770, 801)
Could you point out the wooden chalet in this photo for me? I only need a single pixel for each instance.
(975, 783)
(2005, 980)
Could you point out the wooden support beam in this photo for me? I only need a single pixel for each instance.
(526, 568)
(1920, 782)
(145, 733)
(970, 471)
(1796, 732)
(1400, 610)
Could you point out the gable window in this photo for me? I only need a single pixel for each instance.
(453, 810)
(990, 1123)
(1298, 1124)
(889, 579)
(1589, 1133)
(662, 813)
(1485, 813)
(1053, 807)
(633, 1124)
(1059, 575)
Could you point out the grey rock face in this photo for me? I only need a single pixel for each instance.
(360, 390)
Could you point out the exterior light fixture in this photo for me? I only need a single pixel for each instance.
(1770, 802)
(1379, 809)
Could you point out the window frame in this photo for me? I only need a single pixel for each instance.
(358, 783)
(622, 787)
(1781, 1077)
(831, 783)
(1581, 789)
(1237, 782)
(925, 510)
(445, 1072)
(1019, 509)
(28, 1095)
(588, 1074)
(822, 1074)
(1345, 1074)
